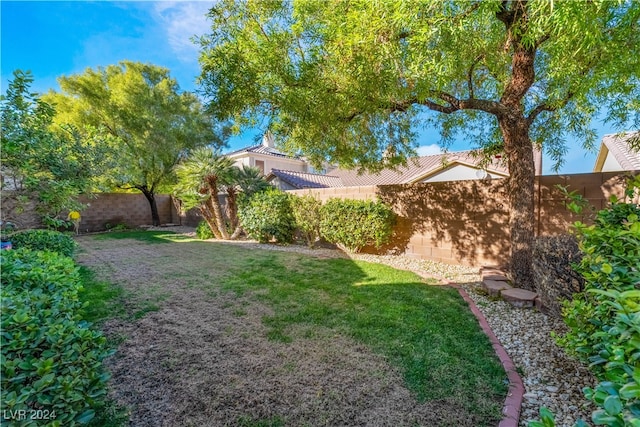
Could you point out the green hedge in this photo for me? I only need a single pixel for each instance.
(51, 359)
(356, 223)
(267, 216)
(307, 212)
(44, 240)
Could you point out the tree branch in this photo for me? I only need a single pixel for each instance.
(470, 75)
(546, 107)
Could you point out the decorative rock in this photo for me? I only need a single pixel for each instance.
(494, 287)
(519, 297)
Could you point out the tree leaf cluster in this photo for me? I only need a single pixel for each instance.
(51, 166)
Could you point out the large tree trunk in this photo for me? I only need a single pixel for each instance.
(519, 150)
(151, 198)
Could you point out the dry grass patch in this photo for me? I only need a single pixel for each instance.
(254, 338)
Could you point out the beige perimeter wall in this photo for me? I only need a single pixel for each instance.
(462, 222)
(466, 222)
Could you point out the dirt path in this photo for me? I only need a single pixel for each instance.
(203, 359)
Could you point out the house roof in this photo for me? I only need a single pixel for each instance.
(417, 169)
(260, 149)
(305, 180)
(620, 148)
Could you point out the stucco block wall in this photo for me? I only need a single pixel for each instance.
(467, 222)
(133, 210)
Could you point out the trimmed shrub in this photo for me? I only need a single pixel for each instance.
(51, 360)
(307, 213)
(555, 279)
(44, 240)
(267, 216)
(355, 224)
(203, 231)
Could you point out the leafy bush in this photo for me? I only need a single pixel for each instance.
(51, 360)
(267, 216)
(203, 231)
(307, 213)
(604, 320)
(44, 240)
(356, 223)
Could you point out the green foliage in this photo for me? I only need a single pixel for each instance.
(604, 320)
(203, 231)
(138, 113)
(49, 167)
(352, 83)
(44, 240)
(267, 216)
(51, 360)
(307, 214)
(346, 80)
(356, 223)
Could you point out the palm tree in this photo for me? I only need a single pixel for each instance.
(201, 176)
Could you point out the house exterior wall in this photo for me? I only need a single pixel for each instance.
(467, 222)
(611, 164)
(271, 162)
(457, 173)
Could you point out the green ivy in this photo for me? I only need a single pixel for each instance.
(356, 223)
(267, 216)
(51, 359)
(44, 240)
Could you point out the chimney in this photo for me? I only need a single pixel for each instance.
(267, 140)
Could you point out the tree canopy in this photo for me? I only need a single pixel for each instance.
(39, 164)
(346, 81)
(139, 112)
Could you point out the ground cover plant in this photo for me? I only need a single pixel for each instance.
(255, 337)
(51, 358)
(44, 240)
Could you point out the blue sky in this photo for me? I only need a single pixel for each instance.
(54, 38)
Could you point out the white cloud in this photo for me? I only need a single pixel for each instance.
(428, 150)
(182, 20)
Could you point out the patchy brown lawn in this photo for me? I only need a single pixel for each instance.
(204, 359)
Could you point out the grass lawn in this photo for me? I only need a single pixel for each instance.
(284, 326)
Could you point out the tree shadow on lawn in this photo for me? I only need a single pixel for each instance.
(258, 336)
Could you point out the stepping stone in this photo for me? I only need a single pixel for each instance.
(494, 276)
(519, 297)
(494, 287)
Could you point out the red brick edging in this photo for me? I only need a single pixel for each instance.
(513, 402)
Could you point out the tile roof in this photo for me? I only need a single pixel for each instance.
(260, 149)
(306, 180)
(620, 148)
(417, 168)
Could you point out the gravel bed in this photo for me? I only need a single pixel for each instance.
(551, 378)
